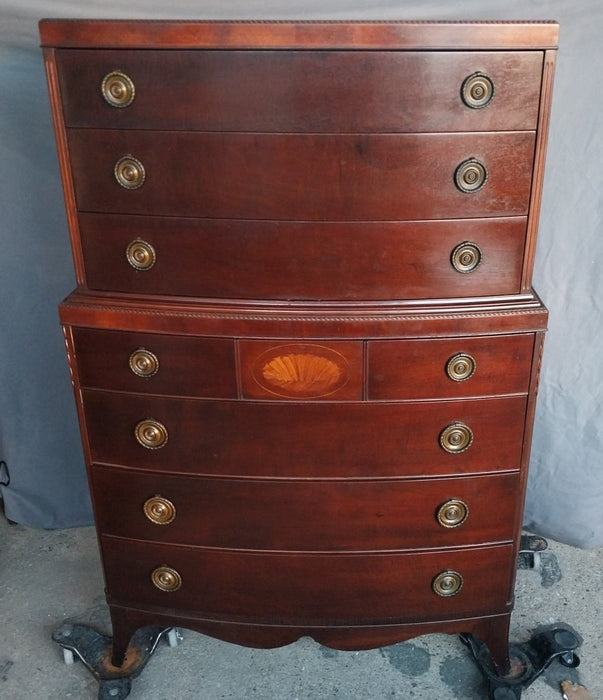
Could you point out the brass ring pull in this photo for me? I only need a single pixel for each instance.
(152, 434)
(456, 437)
(166, 579)
(447, 583)
(460, 367)
(159, 510)
(129, 172)
(452, 513)
(466, 257)
(144, 363)
(118, 89)
(477, 90)
(141, 255)
(471, 175)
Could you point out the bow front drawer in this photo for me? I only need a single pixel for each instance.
(301, 91)
(306, 177)
(310, 439)
(307, 587)
(263, 514)
(301, 260)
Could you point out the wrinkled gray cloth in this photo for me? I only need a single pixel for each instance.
(39, 438)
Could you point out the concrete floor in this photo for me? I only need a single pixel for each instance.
(50, 577)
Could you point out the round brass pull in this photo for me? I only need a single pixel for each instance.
(460, 367)
(477, 90)
(159, 510)
(456, 437)
(447, 583)
(141, 255)
(118, 89)
(466, 257)
(151, 434)
(144, 363)
(452, 513)
(129, 172)
(471, 175)
(166, 579)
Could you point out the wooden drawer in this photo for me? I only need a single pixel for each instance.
(311, 439)
(450, 368)
(304, 515)
(155, 363)
(301, 370)
(305, 588)
(309, 177)
(302, 260)
(334, 91)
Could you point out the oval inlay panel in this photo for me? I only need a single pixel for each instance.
(301, 371)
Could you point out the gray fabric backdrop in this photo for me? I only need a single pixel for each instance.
(38, 431)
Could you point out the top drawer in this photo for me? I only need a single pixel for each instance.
(300, 91)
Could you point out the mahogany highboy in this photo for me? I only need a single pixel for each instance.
(304, 344)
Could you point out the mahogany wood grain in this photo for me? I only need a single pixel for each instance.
(222, 34)
(451, 317)
(188, 366)
(544, 117)
(416, 369)
(305, 439)
(492, 629)
(301, 91)
(305, 515)
(300, 192)
(302, 260)
(272, 587)
(368, 177)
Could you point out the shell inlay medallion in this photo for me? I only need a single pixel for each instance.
(304, 371)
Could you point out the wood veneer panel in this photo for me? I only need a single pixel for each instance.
(307, 588)
(302, 260)
(188, 366)
(318, 439)
(307, 91)
(416, 369)
(298, 34)
(305, 515)
(302, 177)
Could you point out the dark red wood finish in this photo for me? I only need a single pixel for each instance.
(300, 199)
(302, 260)
(317, 177)
(343, 515)
(442, 318)
(188, 366)
(261, 586)
(305, 439)
(254, 34)
(333, 91)
(416, 369)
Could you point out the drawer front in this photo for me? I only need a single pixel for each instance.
(334, 91)
(305, 515)
(300, 177)
(155, 363)
(307, 587)
(312, 439)
(443, 368)
(302, 260)
(294, 370)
